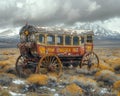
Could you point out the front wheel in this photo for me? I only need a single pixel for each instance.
(50, 63)
(90, 59)
(23, 68)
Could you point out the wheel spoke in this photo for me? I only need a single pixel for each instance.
(53, 60)
(47, 59)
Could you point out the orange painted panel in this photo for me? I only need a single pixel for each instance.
(75, 50)
(41, 50)
(50, 49)
(88, 47)
(62, 50)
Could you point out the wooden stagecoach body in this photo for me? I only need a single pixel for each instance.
(53, 48)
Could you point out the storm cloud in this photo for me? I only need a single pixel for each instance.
(44, 12)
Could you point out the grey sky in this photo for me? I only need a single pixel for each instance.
(44, 12)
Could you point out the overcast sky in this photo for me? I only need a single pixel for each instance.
(52, 12)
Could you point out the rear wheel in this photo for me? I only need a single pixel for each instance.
(49, 64)
(90, 59)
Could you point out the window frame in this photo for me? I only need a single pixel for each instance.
(82, 39)
(52, 42)
(68, 40)
(89, 40)
(43, 41)
(61, 39)
(78, 41)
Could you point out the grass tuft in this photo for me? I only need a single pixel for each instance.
(38, 79)
(72, 90)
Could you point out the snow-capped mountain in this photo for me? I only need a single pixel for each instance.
(100, 31)
(9, 35)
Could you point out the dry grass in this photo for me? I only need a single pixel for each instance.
(72, 90)
(53, 74)
(118, 94)
(105, 67)
(8, 59)
(116, 85)
(38, 79)
(11, 51)
(3, 63)
(113, 61)
(109, 61)
(32, 94)
(6, 65)
(10, 75)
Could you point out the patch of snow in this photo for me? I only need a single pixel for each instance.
(56, 94)
(60, 86)
(104, 90)
(43, 87)
(53, 90)
(16, 94)
(5, 87)
(48, 88)
(17, 81)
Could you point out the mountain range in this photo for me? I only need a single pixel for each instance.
(99, 31)
(11, 35)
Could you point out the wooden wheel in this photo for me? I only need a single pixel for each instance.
(90, 59)
(51, 63)
(22, 67)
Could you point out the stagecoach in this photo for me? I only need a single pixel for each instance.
(50, 49)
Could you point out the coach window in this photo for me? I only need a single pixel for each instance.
(67, 40)
(41, 38)
(89, 39)
(50, 39)
(75, 40)
(59, 40)
(82, 40)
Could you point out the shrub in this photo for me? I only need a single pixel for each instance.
(106, 76)
(72, 90)
(117, 68)
(116, 85)
(85, 83)
(4, 93)
(6, 79)
(38, 79)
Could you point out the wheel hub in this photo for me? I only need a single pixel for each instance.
(52, 67)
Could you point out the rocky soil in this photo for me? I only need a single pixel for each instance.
(102, 81)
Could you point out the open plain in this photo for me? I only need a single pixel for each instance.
(102, 81)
